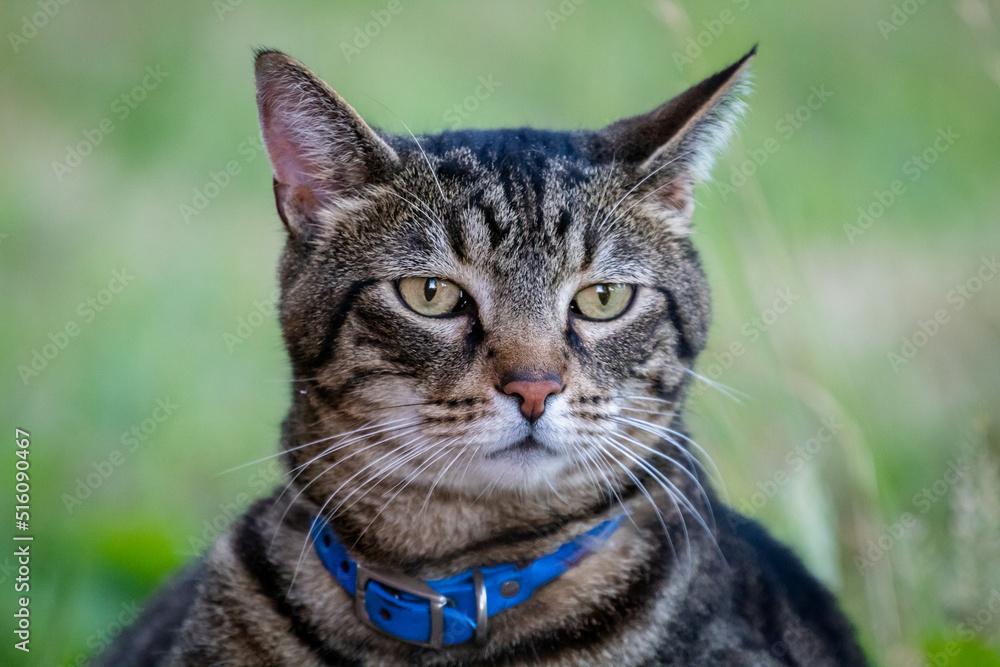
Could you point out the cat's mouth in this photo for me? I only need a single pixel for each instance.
(528, 446)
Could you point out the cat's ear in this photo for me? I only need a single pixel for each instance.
(675, 144)
(323, 154)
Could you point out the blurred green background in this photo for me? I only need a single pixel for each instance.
(864, 345)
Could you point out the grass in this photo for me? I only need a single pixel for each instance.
(898, 510)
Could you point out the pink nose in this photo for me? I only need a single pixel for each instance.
(532, 394)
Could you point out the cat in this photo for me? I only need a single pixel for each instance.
(491, 335)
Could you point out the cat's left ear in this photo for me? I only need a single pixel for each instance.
(674, 145)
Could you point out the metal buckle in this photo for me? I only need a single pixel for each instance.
(482, 618)
(400, 582)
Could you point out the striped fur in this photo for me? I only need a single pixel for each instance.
(401, 435)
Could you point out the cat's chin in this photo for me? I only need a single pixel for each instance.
(527, 449)
(525, 466)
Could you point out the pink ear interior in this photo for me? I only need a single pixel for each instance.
(295, 131)
(321, 150)
(675, 193)
(290, 165)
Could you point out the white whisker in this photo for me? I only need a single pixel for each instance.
(442, 450)
(440, 475)
(646, 178)
(725, 390)
(645, 492)
(683, 469)
(305, 543)
(292, 449)
(676, 495)
(670, 494)
(424, 204)
(666, 433)
(429, 166)
(298, 470)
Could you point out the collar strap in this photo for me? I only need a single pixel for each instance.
(452, 610)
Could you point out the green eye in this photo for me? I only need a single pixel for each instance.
(432, 297)
(604, 301)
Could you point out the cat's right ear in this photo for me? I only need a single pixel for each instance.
(324, 156)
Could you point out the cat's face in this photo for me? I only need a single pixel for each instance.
(479, 309)
(461, 311)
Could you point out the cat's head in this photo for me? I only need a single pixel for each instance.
(473, 308)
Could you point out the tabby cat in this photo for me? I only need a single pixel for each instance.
(491, 334)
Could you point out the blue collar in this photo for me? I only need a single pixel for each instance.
(446, 611)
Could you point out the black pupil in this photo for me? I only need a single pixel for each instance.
(430, 289)
(604, 294)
